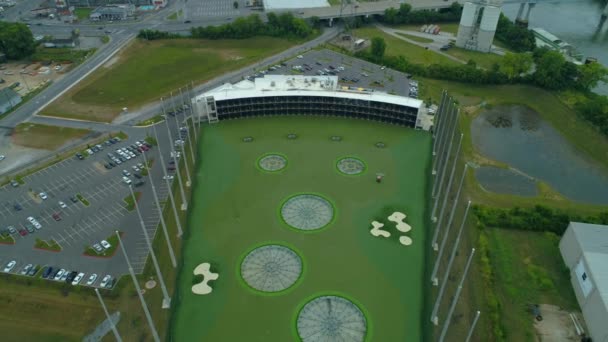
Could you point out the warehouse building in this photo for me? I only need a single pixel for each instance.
(304, 95)
(584, 248)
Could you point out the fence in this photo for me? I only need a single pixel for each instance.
(456, 298)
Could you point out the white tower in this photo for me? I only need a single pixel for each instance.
(478, 25)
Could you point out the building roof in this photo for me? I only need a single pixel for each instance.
(290, 4)
(300, 85)
(593, 240)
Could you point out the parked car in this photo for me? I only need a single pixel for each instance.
(62, 205)
(126, 180)
(9, 266)
(56, 217)
(22, 232)
(14, 183)
(26, 269)
(126, 173)
(73, 199)
(12, 230)
(43, 195)
(92, 279)
(17, 206)
(71, 277)
(97, 248)
(32, 271)
(47, 271)
(59, 274)
(77, 279)
(79, 156)
(105, 281)
(105, 244)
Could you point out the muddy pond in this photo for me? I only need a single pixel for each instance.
(517, 135)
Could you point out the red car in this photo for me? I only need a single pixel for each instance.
(144, 147)
(56, 217)
(22, 232)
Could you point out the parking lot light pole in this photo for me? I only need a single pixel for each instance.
(169, 187)
(105, 310)
(191, 108)
(138, 289)
(187, 130)
(179, 176)
(166, 298)
(199, 119)
(188, 180)
(162, 218)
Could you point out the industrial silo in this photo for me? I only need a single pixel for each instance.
(467, 24)
(487, 28)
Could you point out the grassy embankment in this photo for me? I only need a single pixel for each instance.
(44, 136)
(147, 70)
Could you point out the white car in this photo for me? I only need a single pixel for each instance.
(138, 144)
(106, 281)
(92, 279)
(65, 275)
(140, 165)
(135, 168)
(62, 205)
(59, 274)
(26, 269)
(2, 157)
(43, 195)
(37, 224)
(78, 279)
(31, 219)
(169, 177)
(10, 266)
(97, 248)
(105, 244)
(300, 56)
(128, 157)
(126, 180)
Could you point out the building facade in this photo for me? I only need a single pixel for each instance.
(304, 95)
(478, 25)
(584, 248)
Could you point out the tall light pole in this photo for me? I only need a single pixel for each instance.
(446, 324)
(198, 118)
(444, 155)
(191, 108)
(168, 182)
(138, 289)
(445, 199)
(448, 226)
(108, 317)
(443, 134)
(160, 212)
(446, 274)
(188, 179)
(166, 298)
(438, 196)
(439, 116)
(472, 328)
(187, 128)
(174, 154)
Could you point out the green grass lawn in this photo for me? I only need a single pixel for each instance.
(484, 60)
(396, 47)
(236, 206)
(83, 12)
(530, 269)
(44, 136)
(145, 71)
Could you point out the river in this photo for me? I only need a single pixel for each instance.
(575, 22)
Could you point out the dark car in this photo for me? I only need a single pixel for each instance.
(22, 232)
(107, 166)
(111, 164)
(79, 156)
(47, 272)
(71, 277)
(17, 207)
(140, 183)
(137, 175)
(29, 227)
(54, 273)
(57, 217)
(74, 199)
(32, 271)
(187, 21)
(171, 168)
(14, 183)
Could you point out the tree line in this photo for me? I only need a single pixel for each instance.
(278, 25)
(405, 15)
(537, 218)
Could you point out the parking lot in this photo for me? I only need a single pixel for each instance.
(77, 204)
(352, 72)
(200, 9)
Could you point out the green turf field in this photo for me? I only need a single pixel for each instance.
(236, 207)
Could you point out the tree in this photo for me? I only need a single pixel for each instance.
(515, 64)
(16, 40)
(378, 48)
(553, 71)
(235, 4)
(590, 74)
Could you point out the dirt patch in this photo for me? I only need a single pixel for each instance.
(65, 107)
(34, 197)
(31, 76)
(556, 325)
(111, 62)
(100, 167)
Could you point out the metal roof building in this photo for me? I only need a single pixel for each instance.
(584, 248)
(302, 95)
(290, 4)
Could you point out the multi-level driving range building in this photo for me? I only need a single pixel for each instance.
(306, 95)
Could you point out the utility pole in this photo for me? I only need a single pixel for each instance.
(443, 133)
(439, 122)
(445, 199)
(105, 311)
(167, 181)
(166, 298)
(438, 195)
(160, 212)
(446, 324)
(174, 156)
(138, 289)
(448, 226)
(446, 274)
